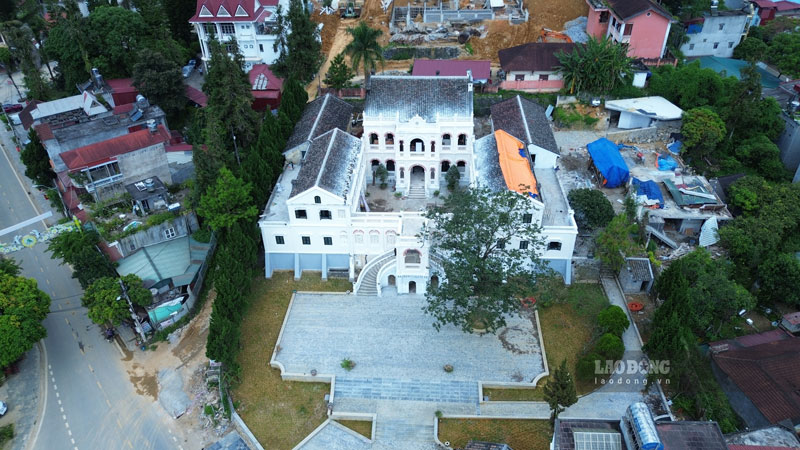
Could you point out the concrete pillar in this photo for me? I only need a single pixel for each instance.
(267, 266)
(352, 270)
(568, 272)
(324, 266)
(297, 271)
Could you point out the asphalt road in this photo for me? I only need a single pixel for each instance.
(89, 400)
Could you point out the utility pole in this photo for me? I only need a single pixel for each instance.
(130, 308)
(236, 150)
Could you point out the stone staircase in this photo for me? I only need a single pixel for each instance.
(416, 192)
(369, 285)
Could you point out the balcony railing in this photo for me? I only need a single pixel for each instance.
(90, 187)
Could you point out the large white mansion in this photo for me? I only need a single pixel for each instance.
(327, 214)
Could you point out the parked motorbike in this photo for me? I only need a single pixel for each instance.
(109, 334)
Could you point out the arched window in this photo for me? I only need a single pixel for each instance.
(417, 145)
(412, 257)
(317, 199)
(389, 139)
(374, 237)
(412, 287)
(433, 174)
(390, 165)
(445, 166)
(391, 236)
(373, 138)
(446, 139)
(391, 280)
(435, 281)
(462, 139)
(402, 173)
(433, 146)
(462, 167)
(358, 237)
(401, 146)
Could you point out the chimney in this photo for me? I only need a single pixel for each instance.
(152, 126)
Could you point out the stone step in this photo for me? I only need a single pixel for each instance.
(407, 389)
(400, 431)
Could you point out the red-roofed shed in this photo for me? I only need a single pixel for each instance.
(265, 87)
(196, 96)
(122, 90)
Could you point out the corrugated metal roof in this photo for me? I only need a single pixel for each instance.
(175, 259)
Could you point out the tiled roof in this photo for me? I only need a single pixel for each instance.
(119, 85)
(767, 374)
(534, 56)
(685, 435)
(196, 96)
(237, 10)
(756, 447)
(25, 115)
(262, 79)
(403, 97)
(103, 151)
(627, 9)
(320, 116)
(640, 269)
(487, 164)
(525, 120)
(44, 131)
(329, 163)
(480, 69)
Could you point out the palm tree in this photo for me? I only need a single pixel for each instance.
(364, 49)
(597, 67)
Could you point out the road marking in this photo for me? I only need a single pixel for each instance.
(174, 439)
(55, 387)
(108, 403)
(49, 366)
(61, 408)
(66, 320)
(47, 280)
(91, 368)
(69, 431)
(57, 394)
(119, 424)
(66, 424)
(59, 401)
(51, 372)
(41, 268)
(53, 379)
(72, 440)
(99, 385)
(129, 443)
(63, 416)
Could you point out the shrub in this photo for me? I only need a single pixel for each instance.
(468, 48)
(203, 236)
(592, 208)
(453, 176)
(448, 368)
(347, 364)
(610, 346)
(613, 320)
(209, 410)
(585, 369)
(6, 432)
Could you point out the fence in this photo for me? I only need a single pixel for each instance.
(533, 85)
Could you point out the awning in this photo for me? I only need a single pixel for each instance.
(514, 164)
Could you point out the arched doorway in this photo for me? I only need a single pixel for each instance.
(417, 145)
(417, 176)
(435, 281)
(412, 287)
(391, 280)
(445, 166)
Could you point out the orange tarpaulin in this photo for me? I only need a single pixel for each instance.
(516, 169)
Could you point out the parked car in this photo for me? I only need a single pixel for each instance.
(189, 68)
(12, 107)
(3, 408)
(15, 119)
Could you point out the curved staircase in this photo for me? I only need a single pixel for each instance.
(367, 283)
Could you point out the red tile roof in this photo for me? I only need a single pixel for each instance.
(122, 109)
(183, 147)
(44, 131)
(256, 82)
(232, 7)
(786, 6)
(452, 68)
(767, 374)
(109, 149)
(119, 85)
(196, 95)
(751, 340)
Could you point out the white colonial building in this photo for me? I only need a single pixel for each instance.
(326, 213)
(252, 23)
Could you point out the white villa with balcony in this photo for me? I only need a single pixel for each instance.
(253, 23)
(328, 214)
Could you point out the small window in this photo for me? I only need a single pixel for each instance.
(462, 139)
(628, 29)
(523, 245)
(300, 214)
(554, 245)
(544, 77)
(730, 44)
(169, 233)
(721, 26)
(445, 139)
(228, 28)
(519, 77)
(358, 238)
(306, 240)
(716, 44)
(279, 240)
(413, 257)
(389, 139)
(501, 243)
(327, 240)
(527, 218)
(342, 214)
(691, 46)
(132, 246)
(317, 199)
(261, 47)
(373, 139)
(325, 215)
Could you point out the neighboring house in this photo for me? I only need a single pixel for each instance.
(265, 87)
(320, 116)
(759, 375)
(533, 66)
(643, 112)
(252, 23)
(480, 70)
(635, 431)
(642, 25)
(122, 91)
(716, 33)
(636, 275)
(103, 169)
(791, 322)
(767, 10)
(766, 438)
(318, 217)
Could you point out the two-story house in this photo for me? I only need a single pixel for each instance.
(642, 25)
(252, 23)
(716, 33)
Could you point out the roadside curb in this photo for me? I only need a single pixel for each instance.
(41, 408)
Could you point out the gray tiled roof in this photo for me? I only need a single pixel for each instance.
(330, 163)
(428, 97)
(320, 116)
(487, 164)
(525, 120)
(640, 269)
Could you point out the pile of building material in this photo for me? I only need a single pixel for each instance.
(576, 29)
(414, 33)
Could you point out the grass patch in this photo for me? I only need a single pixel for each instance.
(568, 327)
(6, 434)
(278, 412)
(362, 427)
(518, 434)
(568, 117)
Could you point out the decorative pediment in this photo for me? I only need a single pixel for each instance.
(223, 12)
(240, 12)
(204, 12)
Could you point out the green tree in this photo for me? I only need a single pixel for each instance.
(613, 320)
(115, 35)
(559, 392)
(160, 80)
(780, 276)
(452, 176)
(364, 49)
(339, 74)
(784, 52)
(20, 39)
(703, 130)
(227, 202)
(592, 209)
(760, 155)
(9, 267)
(750, 49)
(37, 161)
(79, 249)
(22, 308)
(229, 96)
(106, 303)
(596, 67)
(617, 241)
(690, 86)
(610, 346)
(68, 43)
(298, 43)
(482, 274)
(178, 14)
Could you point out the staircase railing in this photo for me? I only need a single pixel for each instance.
(372, 263)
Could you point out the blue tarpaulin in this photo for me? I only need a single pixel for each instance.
(609, 162)
(649, 189)
(666, 163)
(675, 147)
